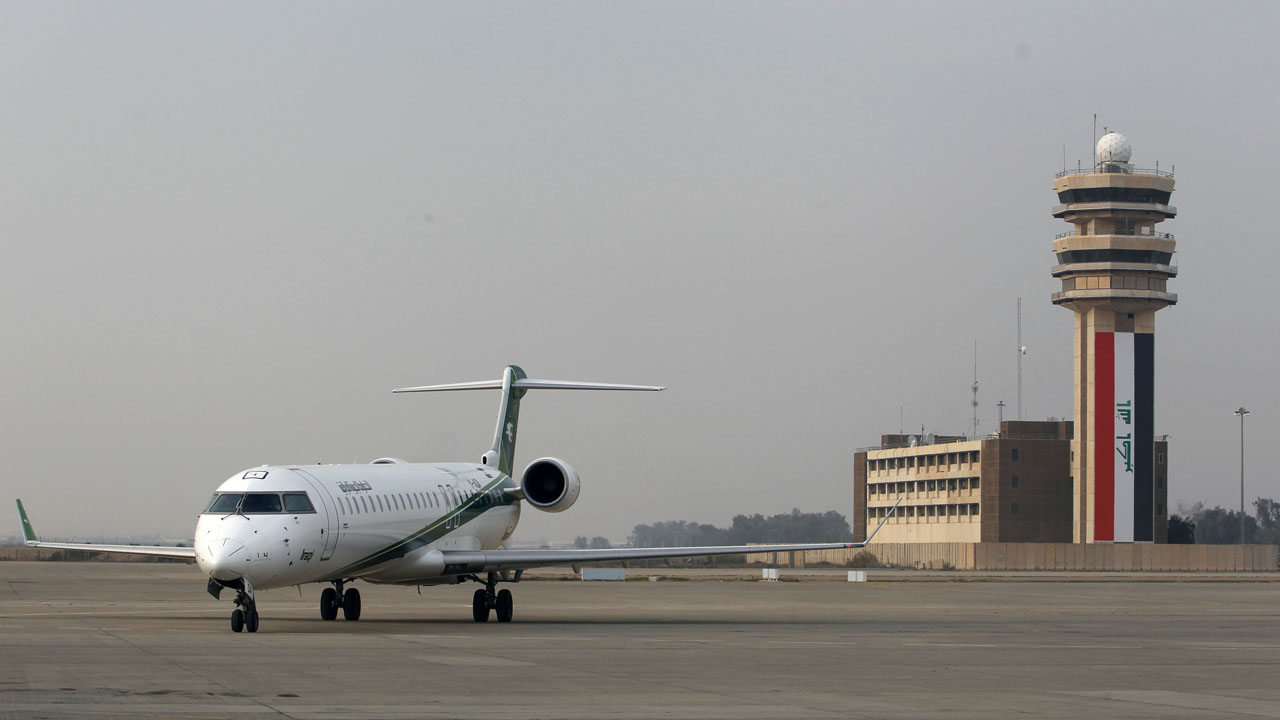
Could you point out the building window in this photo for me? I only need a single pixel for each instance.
(1159, 458)
(973, 483)
(1160, 509)
(973, 508)
(951, 484)
(1013, 481)
(1015, 508)
(964, 511)
(1013, 454)
(1160, 483)
(964, 483)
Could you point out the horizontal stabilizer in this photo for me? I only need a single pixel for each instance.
(526, 384)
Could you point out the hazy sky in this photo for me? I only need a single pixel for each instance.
(230, 229)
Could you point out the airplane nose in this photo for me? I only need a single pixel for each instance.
(225, 559)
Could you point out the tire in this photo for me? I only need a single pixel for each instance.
(329, 604)
(251, 621)
(506, 606)
(351, 604)
(237, 620)
(479, 607)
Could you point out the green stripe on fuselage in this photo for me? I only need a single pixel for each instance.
(436, 530)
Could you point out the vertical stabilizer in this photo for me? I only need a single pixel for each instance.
(502, 454)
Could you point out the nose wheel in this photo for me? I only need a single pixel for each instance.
(333, 599)
(485, 599)
(245, 616)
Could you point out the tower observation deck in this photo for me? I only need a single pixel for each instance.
(1114, 267)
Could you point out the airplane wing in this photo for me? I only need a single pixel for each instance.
(29, 536)
(476, 561)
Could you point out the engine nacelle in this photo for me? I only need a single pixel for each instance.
(549, 484)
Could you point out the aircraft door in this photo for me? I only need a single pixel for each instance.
(321, 493)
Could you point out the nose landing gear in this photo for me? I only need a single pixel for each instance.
(333, 598)
(245, 616)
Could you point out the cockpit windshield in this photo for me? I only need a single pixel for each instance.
(224, 503)
(257, 503)
(260, 503)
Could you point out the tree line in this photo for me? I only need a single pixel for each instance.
(1219, 526)
(792, 527)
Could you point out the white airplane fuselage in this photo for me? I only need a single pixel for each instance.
(381, 522)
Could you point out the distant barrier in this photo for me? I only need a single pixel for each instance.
(1094, 557)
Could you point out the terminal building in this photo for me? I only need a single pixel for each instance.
(1101, 478)
(1013, 486)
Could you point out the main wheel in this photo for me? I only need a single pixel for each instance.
(480, 607)
(329, 604)
(351, 604)
(506, 606)
(237, 620)
(251, 621)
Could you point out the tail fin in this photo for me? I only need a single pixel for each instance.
(28, 532)
(514, 384)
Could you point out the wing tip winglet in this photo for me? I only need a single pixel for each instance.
(28, 532)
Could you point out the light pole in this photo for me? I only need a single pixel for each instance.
(1242, 412)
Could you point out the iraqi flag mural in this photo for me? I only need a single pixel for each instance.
(1124, 385)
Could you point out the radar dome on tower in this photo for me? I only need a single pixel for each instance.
(1114, 148)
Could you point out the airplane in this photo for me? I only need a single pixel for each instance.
(394, 522)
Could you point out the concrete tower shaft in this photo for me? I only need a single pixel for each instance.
(1114, 267)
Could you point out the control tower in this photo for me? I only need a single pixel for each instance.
(1114, 268)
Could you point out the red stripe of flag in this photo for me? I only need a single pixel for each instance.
(1104, 437)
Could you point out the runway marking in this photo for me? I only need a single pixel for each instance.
(1233, 647)
(1219, 704)
(975, 645)
(106, 612)
(470, 660)
(101, 713)
(807, 642)
(1088, 597)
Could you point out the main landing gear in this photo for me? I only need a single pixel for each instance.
(486, 599)
(333, 598)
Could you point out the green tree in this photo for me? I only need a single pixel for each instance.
(1182, 531)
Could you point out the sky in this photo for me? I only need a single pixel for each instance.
(230, 229)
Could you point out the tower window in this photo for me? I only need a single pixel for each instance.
(1013, 481)
(1013, 455)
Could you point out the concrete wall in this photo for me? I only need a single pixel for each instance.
(1044, 556)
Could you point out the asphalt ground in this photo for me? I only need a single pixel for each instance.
(102, 640)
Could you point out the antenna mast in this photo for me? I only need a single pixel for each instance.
(1021, 351)
(975, 389)
(1095, 140)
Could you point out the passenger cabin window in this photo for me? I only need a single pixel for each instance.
(298, 503)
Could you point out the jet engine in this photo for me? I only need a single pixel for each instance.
(549, 484)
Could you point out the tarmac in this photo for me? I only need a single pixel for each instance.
(102, 640)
